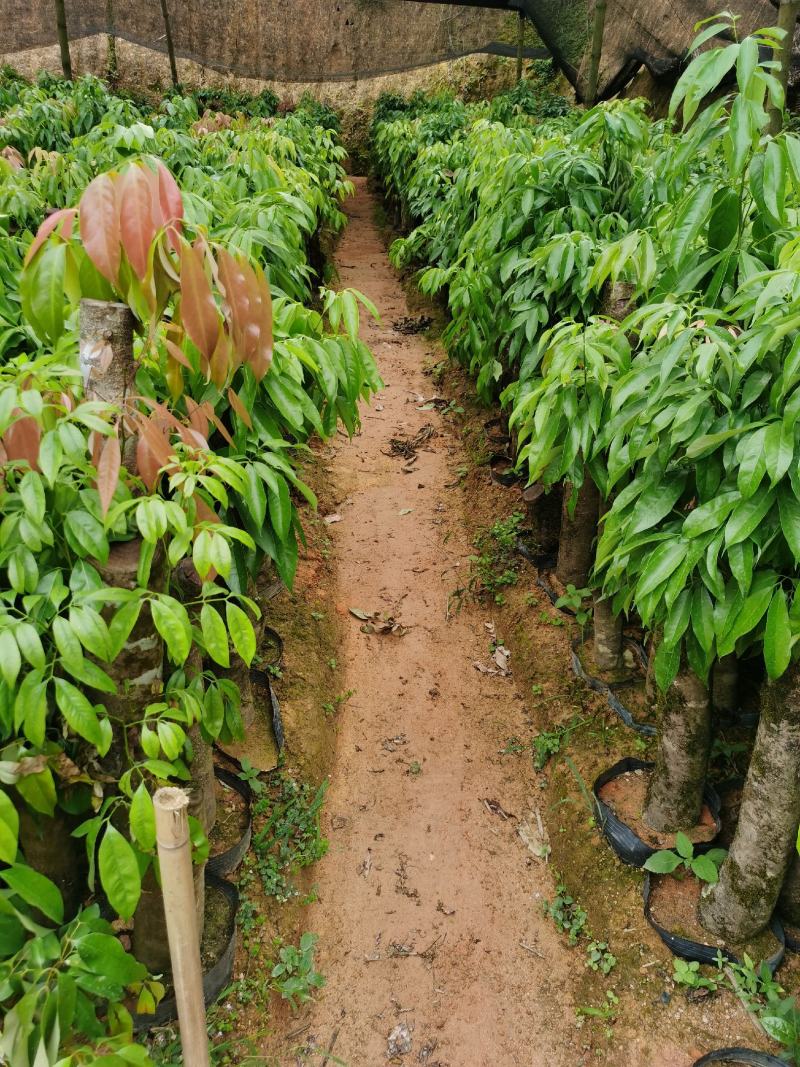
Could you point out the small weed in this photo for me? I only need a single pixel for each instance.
(415, 767)
(573, 600)
(513, 747)
(250, 774)
(607, 1011)
(599, 957)
(318, 615)
(332, 706)
(688, 974)
(705, 867)
(293, 976)
(289, 840)
(537, 690)
(332, 663)
(551, 620)
(496, 564)
(548, 743)
(566, 913)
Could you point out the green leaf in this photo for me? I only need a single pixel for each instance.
(36, 890)
(119, 872)
(241, 631)
(32, 492)
(778, 636)
(666, 558)
(666, 665)
(683, 846)
(705, 869)
(172, 622)
(10, 659)
(142, 818)
(30, 644)
(215, 635)
(663, 862)
(9, 829)
(80, 715)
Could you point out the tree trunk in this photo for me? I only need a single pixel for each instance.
(63, 39)
(607, 635)
(544, 516)
(520, 44)
(725, 685)
(576, 544)
(789, 900)
(787, 20)
(49, 848)
(675, 794)
(173, 66)
(597, 51)
(606, 625)
(740, 905)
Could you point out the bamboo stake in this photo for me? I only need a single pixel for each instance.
(597, 51)
(788, 11)
(63, 39)
(170, 47)
(177, 883)
(520, 44)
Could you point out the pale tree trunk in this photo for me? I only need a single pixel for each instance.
(675, 794)
(597, 51)
(740, 905)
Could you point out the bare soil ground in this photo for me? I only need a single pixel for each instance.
(428, 905)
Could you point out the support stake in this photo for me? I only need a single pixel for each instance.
(788, 11)
(63, 39)
(597, 51)
(170, 47)
(175, 860)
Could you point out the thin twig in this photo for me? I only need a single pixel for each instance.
(330, 1048)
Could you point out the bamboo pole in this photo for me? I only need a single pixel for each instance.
(788, 11)
(597, 51)
(170, 47)
(177, 884)
(63, 39)
(520, 43)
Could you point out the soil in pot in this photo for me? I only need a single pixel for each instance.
(217, 927)
(625, 796)
(232, 819)
(626, 676)
(674, 904)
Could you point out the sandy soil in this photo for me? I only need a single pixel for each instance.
(427, 897)
(429, 912)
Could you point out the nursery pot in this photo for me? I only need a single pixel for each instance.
(626, 843)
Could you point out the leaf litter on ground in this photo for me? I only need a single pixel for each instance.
(375, 622)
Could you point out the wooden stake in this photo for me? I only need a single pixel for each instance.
(177, 884)
(63, 39)
(788, 11)
(597, 51)
(170, 47)
(520, 43)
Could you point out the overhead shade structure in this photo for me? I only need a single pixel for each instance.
(638, 33)
(276, 40)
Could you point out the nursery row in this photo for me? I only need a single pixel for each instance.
(629, 289)
(164, 362)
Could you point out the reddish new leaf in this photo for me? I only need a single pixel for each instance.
(177, 354)
(249, 308)
(108, 470)
(240, 409)
(198, 419)
(99, 226)
(63, 219)
(199, 312)
(171, 202)
(21, 440)
(137, 226)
